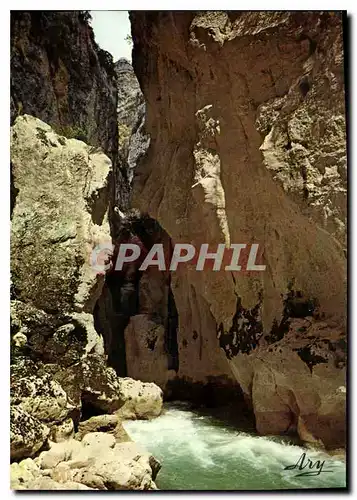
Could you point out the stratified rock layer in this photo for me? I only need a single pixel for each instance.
(245, 112)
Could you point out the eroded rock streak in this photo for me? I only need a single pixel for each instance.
(245, 111)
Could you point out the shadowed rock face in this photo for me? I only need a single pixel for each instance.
(136, 310)
(246, 117)
(60, 75)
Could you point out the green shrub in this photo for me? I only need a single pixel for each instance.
(72, 132)
(106, 61)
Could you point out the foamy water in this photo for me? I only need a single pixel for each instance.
(198, 452)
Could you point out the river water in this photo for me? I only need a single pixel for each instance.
(200, 452)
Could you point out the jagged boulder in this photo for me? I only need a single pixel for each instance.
(27, 434)
(41, 398)
(101, 386)
(44, 399)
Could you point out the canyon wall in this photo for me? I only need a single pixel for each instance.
(60, 75)
(246, 117)
(62, 199)
(60, 380)
(238, 137)
(60, 214)
(133, 143)
(149, 346)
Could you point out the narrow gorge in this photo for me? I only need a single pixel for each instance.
(227, 128)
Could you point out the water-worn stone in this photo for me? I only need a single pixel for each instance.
(59, 452)
(97, 462)
(298, 383)
(103, 423)
(124, 467)
(96, 441)
(142, 400)
(99, 423)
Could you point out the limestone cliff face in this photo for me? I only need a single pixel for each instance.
(245, 113)
(59, 371)
(62, 197)
(60, 75)
(60, 214)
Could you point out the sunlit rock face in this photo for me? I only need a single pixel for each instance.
(96, 462)
(245, 111)
(65, 180)
(60, 214)
(133, 142)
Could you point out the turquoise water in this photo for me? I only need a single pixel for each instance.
(198, 452)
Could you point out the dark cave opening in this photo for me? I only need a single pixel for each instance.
(88, 410)
(120, 298)
(171, 333)
(112, 312)
(120, 301)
